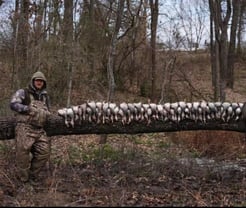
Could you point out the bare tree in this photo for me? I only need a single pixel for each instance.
(111, 60)
(154, 7)
(220, 19)
(168, 68)
(214, 54)
(112, 50)
(22, 41)
(15, 23)
(232, 43)
(192, 21)
(187, 19)
(223, 50)
(68, 43)
(241, 27)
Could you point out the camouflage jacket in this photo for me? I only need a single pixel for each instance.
(22, 98)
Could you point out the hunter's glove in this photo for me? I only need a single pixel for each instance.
(33, 110)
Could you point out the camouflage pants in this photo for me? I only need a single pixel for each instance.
(32, 150)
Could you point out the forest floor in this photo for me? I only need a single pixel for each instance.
(129, 170)
(200, 168)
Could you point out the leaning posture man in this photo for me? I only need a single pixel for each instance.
(32, 107)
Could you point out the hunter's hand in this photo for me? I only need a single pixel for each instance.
(32, 110)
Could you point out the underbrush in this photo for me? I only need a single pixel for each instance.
(159, 169)
(212, 144)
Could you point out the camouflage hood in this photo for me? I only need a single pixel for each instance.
(38, 75)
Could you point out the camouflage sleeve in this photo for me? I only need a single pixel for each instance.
(16, 103)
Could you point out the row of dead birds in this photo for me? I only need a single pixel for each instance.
(105, 112)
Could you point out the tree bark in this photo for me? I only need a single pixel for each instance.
(232, 44)
(240, 27)
(22, 43)
(154, 7)
(112, 51)
(56, 126)
(220, 20)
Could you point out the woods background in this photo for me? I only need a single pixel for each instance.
(92, 49)
(128, 51)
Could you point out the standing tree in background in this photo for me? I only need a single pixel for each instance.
(68, 43)
(154, 8)
(112, 50)
(112, 57)
(219, 43)
(223, 49)
(14, 20)
(89, 19)
(22, 33)
(236, 4)
(241, 26)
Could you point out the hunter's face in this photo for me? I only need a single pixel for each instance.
(38, 83)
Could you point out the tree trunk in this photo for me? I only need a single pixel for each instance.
(68, 44)
(212, 49)
(232, 44)
(15, 23)
(240, 27)
(22, 43)
(221, 19)
(154, 6)
(112, 50)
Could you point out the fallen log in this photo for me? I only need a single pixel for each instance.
(56, 126)
(133, 118)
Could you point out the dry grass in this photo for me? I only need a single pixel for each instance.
(213, 144)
